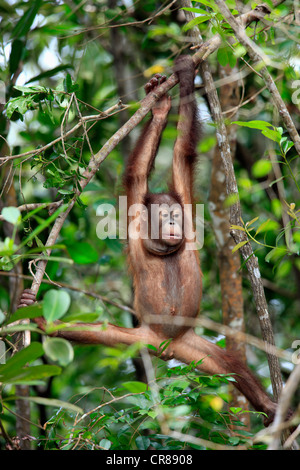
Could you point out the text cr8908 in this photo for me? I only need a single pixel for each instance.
(171, 459)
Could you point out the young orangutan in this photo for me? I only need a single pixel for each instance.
(166, 272)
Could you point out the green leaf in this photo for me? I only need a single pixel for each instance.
(262, 226)
(142, 442)
(153, 348)
(50, 73)
(235, 409)
(135, 387)
(287, 145)
(251, 221)
(210, 4)
(9, 330)
(15, 372)
(11, 214)
(83, 253)
(276, 207)
(105, 444)
(2, 352)
(59, 350)
(275, 254)
(54, 403)
(55, 304)
(237, 227)
(19, 105)
(262, 125)
(261, 168)
(15, 55)
(26, 20)
(21, 358)
(222, 56)
(2, 318)
(84, 317)
(272, 135)
(231, 58)
(284, 269)
(239, 245)
(43, 225)
(31, 375)
(234, 440)
(195, 22)
(68, 83)
(7, 248)
(30, 89)
(32, 311)
(200, 11)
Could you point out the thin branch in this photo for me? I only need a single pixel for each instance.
(119, 25)
(290, 388)
(97, 117)
(279, 424)
(42, 205)
(248, 100)
(63, 285)
(222, 329)
(203, 321)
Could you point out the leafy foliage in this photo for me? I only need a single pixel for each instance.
(131, 418)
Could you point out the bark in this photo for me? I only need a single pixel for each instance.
(229, 263)
(121, 52)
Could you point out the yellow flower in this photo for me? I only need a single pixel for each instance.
(216, 403)
(153, 70)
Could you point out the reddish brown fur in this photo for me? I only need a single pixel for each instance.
(170, 284)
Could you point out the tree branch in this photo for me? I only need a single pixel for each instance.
(278, 424)
(288, 392)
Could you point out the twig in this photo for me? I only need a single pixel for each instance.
(76, 289)
(84, 126)
(248, 100)
(97, 117)
(118, 25)
(41, 265)
(199, 441)
(288, 391)
(42, 205)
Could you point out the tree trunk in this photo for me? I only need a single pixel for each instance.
(228, 262)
